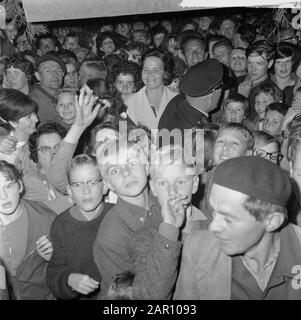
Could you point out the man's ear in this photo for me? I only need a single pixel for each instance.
(69, 191)
(152, 186)
(195, 185)
(105, 188)
(270, 63)
(273, 221)
(21, 186)
(37, 75)
(291, 168)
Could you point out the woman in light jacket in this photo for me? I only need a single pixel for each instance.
(148, 104)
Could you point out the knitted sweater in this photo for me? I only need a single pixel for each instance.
(72, 241)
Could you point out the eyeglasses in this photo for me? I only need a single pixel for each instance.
(48, 149)
(277, 156)
(91, 183)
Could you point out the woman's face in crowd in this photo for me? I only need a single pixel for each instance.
(47, 146)
(66, 107)
(27, 125)
(108, 46)
(16, 78)
(125, 83)
(153, 72)
(234, 112)
(71, 43)
(283, 67)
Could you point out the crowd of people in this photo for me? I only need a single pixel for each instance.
(145, 159)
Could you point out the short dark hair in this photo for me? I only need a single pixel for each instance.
(47, 128)
(167, 60)
(15, 105)
(279, 107)
(284, 51)
(47, 36)
(222, 43)
(260, 209)
(19, 61)
(262, 48)
(271, 89)
(9, 171)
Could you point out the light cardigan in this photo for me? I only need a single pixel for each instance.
(139, 108)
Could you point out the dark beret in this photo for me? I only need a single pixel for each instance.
(202, 78)
(255, 177)
(48, 57)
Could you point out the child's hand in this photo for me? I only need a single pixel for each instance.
(292, 112)
(245, 87)
(44, 248)
(173, 210)
(82, 283)
(84, 103)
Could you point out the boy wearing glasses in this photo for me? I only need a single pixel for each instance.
(72, 273)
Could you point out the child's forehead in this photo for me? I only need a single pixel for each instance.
(234, 104)
(174, 171)
(231, 132)
(264, 95)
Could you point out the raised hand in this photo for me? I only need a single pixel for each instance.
(173, 210)
(245, 87)
(84, 103)
(82, 283)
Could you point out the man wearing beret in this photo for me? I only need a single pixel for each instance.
(50, 72)
(200, 93)
(250, 252)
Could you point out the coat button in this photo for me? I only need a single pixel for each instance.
(167, 246)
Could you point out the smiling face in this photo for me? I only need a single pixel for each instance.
(237, 231)
(66, 106)
(153, 73)
(194, 52)
(262, 100)
(229, 144)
